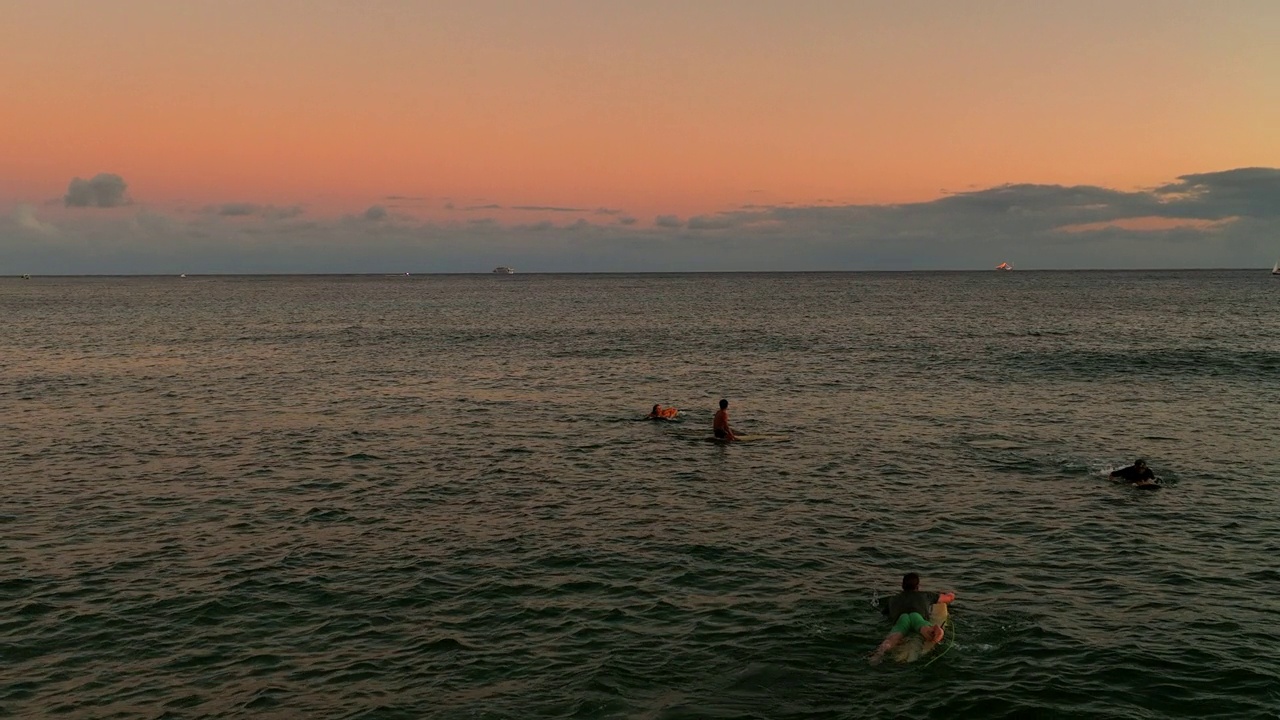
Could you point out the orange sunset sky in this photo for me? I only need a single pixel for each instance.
(652, 107)
(238, 118)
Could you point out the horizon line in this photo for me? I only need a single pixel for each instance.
(31, 276)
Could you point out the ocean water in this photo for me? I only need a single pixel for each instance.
(432, 496)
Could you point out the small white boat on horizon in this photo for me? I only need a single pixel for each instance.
(1275, 269)
(504, 270)
(1004, 266)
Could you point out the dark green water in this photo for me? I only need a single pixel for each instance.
(347, 497)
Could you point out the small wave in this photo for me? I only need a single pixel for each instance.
(35, 609)
(326, 515)
(442, 645)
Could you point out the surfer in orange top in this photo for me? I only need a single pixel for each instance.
(661, 413)
(720, 424)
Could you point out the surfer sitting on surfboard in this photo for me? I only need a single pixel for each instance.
(908, 611)
(720, 423)
(1137, 474)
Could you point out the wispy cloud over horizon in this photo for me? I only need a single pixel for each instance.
(1218, 219)
(548, 208)
(25, 216)
(248, 209)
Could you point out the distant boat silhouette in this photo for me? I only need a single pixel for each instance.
(503, 270)
(1275, 269)
(1004, 266)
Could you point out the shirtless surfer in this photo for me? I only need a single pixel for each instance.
(909, 612)
(720, 423)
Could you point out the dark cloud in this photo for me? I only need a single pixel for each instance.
(1026, 198)
(237, 209)
(490, 206)
(271, 212)
(1243, 192)
(667, 221)
(375, 213)
(105, 190)
(246, 209)
(710, 222)
(548, 208)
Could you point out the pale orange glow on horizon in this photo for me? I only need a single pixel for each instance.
(1147, 224)
(664, 109)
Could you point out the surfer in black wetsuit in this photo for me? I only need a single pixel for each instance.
(1136, 474)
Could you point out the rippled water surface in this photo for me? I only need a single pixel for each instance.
(409, 497)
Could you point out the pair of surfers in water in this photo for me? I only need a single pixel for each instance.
(720, 429)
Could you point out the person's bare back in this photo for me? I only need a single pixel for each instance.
(720, 423)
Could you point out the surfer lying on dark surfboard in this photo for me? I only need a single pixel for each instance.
(909, 611)
(1137, 474)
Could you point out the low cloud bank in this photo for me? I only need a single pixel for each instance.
(1222, 219)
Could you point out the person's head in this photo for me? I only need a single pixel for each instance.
(724, 404)
(910, 581)
(656, 408)
(931, 633)
(1140, 463)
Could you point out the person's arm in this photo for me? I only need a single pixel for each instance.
(884, 647)
(722, 423)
